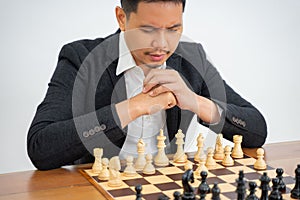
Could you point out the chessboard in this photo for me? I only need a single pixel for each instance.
(168, 179)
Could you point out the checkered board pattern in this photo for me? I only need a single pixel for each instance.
(167, 180)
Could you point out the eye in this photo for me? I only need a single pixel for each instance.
(148, 29)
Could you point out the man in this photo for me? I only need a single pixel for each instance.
(110, 92)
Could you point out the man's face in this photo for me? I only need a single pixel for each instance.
(153, 32)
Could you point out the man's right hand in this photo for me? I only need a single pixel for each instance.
(143, 104)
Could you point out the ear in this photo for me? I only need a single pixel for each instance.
(121, 18)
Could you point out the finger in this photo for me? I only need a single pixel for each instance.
(158, 90)
(156, 78)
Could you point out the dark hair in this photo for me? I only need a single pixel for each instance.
(131, 5)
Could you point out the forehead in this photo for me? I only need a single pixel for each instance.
(159, 14)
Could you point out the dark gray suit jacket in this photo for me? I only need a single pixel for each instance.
(78, 112)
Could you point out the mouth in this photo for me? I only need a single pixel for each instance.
(157, 57)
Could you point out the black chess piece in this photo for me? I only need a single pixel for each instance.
(264, 186)
(176, 195)
(215, 192)
(275, 193)
(241, 188)
(188, 190)
(138, 189)
(203, 188)
(252, 189)
(163, 197)
(281, 185)
(295, 193)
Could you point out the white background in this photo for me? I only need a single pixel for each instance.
(254, 44)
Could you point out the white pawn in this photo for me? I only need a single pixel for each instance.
(201, 166)
(149, 168)
(260, 163)
(200, 141)
(179, 156)
(237, 151)
(114, 174)
(227, 161)
(140, 161)
(219, 151)
(129, 170)
(210, 161)
(188, 165)
(97, 166)
(161, 158)
(104, 174)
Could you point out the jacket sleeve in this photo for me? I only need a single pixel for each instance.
(55, 137)
(239, 117)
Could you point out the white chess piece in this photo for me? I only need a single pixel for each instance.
(200, 143)
(129, 170)
(201, 166)
(219, 151)
(97, 166)
(140, 161)
(114, 174)
(237, 151)
(210, 161)
(227, 161)
(260, 163)
(104, 174)
(149, 168)
(180, 156)
(161, 158)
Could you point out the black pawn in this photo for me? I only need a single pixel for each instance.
(138, 189)
(252, 189)
(241, 188)
(203, 188)
(281, 185)
(215, 192)
(264, 186)
(275, 194)
(295, 193)
(176, 195)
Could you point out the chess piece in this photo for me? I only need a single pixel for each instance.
(264, 186)
(260, 164)
(176, 195)
(215, 192)
(227, 161)
(188, 190)
(97, 166)
(129, 171)
(161, 159)
(138, 190)
(140, 161)
(281, 184)
(210, 161)
(114, 174)
(237, 151)
(163, 197)
(149, 168)
(179, 156)
(104, 174)
(252, 190)
(295, 193)
(200, 143)
(219, 151)
(203, 188)
(241, 188)
(201, 166)
(275, 193)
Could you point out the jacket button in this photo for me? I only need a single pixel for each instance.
(102, 127)
(85, 134)
(97, 129)
(91, 132)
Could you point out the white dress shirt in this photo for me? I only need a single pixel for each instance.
(147, 126)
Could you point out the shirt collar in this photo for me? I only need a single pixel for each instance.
(126, 60)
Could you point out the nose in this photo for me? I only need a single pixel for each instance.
(160, 40)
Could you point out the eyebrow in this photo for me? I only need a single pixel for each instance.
(149, 26)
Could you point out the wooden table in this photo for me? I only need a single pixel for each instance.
(68, 183)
